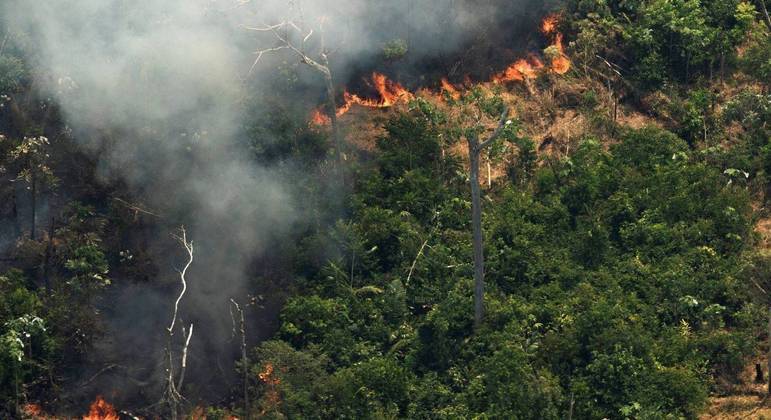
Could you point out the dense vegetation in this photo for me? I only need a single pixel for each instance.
(623, 276)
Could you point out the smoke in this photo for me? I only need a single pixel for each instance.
(155, 89)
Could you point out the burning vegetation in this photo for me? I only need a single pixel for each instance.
(391, 92)
(343, 268)
(100, 409)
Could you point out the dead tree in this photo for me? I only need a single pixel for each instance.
(758, 274)
(244, 358)
(174, 380)
(283, 33)
(764, 9)
(474, 150)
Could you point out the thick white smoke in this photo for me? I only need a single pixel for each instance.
(155, 89)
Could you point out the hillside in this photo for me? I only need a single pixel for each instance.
(276, 210)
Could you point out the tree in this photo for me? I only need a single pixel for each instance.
(174, 382)
(283, 33)
(757, 271)
(33, 156)
(764, 9)
(474, 149)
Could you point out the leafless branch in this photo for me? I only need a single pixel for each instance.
(184, 356)
(172, 395)
(136, 208)
(498, 130)
(5, 41)
(189, 248)
(244, 358)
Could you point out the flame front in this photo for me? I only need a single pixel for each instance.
(392, 93)
(561, 63)
(34, 412)
(101, 410)
(450, 89)
(319, 118)
(549, 24)
(521, 70)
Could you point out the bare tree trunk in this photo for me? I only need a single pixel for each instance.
(722, 68)
(244, 359)
(47, 257)
(15, 213)
(476, 227)
(489, 174)
(33, 200)
(474, 149)
(172, 396)
(336, 136)
(769, 351)
(764, 9)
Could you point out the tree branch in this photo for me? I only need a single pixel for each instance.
(189, 248)
(184, 357)
(498, 130)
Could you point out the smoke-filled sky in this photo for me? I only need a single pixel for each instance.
(155, 89)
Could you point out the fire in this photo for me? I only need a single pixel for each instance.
(319, 118)
(392, 93)
(35, 412)
(450, 89)
(272, 396)
(561, 63)
(549, 24)
(521, 70)
(267, 377)
(101, 410)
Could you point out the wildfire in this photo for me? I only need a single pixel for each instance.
(561, 63)
(101, 410)
(521, 70)
(392, 93)
(319, 118)
(450, 89)
(267, 377)
(272, 396)
(549, 24)
(34, 412)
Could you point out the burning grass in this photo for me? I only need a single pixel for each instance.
(391, 93)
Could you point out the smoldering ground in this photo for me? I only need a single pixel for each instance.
(155, 90)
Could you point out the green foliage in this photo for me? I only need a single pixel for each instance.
(756, 59)
(25, 343)
(395, 49)
(611, 286)
(12, 74)
(661, 40)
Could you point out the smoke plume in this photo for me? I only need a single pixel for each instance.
(155, 90)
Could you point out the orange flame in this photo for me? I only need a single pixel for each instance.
(318, 117)
(267, 377)
(272, 396)
(560, 64)
(392, 93)
(521, 70)
(450, 89)
(35, 412)
(101, 410)
(549, 24)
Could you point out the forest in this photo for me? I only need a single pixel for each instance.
(358, 209)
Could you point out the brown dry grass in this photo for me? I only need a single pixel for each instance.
(744, 400)
(548, 112)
